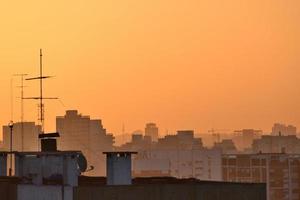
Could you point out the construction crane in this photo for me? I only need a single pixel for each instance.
(216, 134)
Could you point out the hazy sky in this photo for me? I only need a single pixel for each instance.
(189, 64)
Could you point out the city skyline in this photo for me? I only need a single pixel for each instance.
(193, 65)
(159, 99)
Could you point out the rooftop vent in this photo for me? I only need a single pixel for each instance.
(48, 142)
(118, 168)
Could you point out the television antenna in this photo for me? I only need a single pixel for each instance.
(40, 98)
(22, 107)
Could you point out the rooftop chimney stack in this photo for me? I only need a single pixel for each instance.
(48, 142)
(118, 168)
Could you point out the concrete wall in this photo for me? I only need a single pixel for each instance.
(203, 191)
(118, 168)
(3, 164)
(33, 192)
(42, 166)
(8, 191)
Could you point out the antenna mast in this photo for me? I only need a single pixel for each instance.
(41, 97)
(22, 106)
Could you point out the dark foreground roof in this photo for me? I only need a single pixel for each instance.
(94, 181)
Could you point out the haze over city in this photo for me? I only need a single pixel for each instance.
(184, 65)
(151, 100)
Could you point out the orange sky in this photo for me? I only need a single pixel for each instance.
(189, 64)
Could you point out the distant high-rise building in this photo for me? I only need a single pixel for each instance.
(243, 138)
(25, 136)
(79, 132)
(227, 146)
(152, 131)
(184, 139)
(276, 144)
(282, 129)
(138, 142)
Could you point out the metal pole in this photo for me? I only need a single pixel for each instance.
(22, 111)
(41, 91)
(22, 108)
(10, 125)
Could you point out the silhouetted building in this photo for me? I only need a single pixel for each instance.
(276, 144)
(203, 164)
(25, 136)
(227, 146)
(151, 130)
(282, 129)
(89, 136)
(138, 143)
(243, 138)
(184, 139)
(281, 172)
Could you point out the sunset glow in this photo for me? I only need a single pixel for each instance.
(183, 64)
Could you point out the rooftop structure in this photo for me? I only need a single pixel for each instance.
(42, 168)
(165, 188)
(118, 167)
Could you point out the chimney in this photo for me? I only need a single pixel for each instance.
(3, 163)
(118, 168)
(48, 142)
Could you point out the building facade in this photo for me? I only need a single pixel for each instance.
(276, 144)
(280, 172)
(282, 129)
(151, 130)
(203, 164)
(87, 135)
(25, 136)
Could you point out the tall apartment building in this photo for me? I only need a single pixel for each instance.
(151, 130)
(25, 136)
(281, 172)
(276, 144)
(282, 129)
(82, 133)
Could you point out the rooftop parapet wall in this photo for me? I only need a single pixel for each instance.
(165, 191)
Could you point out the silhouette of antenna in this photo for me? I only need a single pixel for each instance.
(123, 133)
(22, 107)
(11, 100)
(41, 97)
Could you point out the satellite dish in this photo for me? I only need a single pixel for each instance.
(90, 169)
(82, 162)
